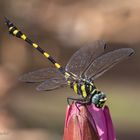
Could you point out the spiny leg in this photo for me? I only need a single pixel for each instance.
(73, 99)
(77, 101)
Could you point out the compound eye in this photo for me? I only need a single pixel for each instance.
(99, 99)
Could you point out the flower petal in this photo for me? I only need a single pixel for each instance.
(103, 122)
(78, 125)
(109, 124)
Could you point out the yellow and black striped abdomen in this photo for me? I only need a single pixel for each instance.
(14, 31)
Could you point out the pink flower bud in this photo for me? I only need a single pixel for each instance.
(90, 123)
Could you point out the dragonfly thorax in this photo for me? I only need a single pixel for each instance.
(82, 87)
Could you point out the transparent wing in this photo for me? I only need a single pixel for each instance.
(83, 57)
(107, 61)
(41, 75)
(51, 84)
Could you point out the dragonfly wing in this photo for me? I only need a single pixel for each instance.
(51, 84)
(107, 61)
(41, 75)
(83, 57)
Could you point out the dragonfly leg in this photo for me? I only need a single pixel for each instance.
(77, 101)
(82, 102)
(74, 99)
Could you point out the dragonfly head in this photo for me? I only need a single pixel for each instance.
(99, 99)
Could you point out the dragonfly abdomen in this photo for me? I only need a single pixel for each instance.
(16, 32)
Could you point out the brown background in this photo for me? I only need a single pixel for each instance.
(61, 27)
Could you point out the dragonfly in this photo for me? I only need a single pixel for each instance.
(83, 68)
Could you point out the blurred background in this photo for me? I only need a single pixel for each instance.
(61, 27)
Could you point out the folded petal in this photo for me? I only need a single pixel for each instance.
(109, 124)
(78, 125)
(103, 122)
(88, 123)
